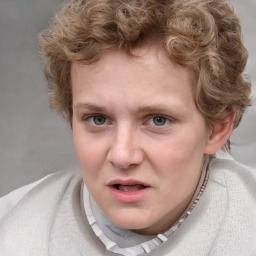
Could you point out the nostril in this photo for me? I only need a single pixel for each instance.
(125, 153)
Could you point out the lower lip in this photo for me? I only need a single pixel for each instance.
(129, 197)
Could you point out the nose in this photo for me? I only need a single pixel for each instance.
(125, 151)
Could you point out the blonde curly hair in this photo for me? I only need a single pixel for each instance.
(202, 35)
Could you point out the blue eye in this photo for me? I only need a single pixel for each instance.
(97, 120)
(158, 121)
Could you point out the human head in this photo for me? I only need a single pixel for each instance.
(134, 131)
(202, 35)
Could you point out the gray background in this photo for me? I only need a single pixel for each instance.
(33, 140)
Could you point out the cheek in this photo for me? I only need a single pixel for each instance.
(177, 148)
(89, 151)
(178, 161)
(190, 142)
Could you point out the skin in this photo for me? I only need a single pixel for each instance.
(135, 118)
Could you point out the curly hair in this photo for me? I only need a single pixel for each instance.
(202, 35)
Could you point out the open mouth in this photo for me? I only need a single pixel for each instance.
(128, 191)
(129, 188)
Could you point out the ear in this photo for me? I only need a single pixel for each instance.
(219, 134)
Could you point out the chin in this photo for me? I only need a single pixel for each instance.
(130, 221)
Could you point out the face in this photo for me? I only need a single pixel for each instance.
(139, 137)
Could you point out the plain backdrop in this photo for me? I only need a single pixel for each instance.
(35, 141)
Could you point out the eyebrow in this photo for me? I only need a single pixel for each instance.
(158, 108)
(91, 107)
(141, 109)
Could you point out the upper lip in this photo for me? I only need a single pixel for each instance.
(129, 182)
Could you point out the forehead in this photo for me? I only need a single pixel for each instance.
(147, 58)
(147, 77)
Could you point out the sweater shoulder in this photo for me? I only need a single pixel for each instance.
(52, 181)
(229, 172)
(34, 220)
(237, 234)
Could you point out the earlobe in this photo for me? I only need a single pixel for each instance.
(219, 134)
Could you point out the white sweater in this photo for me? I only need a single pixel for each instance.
(50, 219)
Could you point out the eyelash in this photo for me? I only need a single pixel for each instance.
(152, 116)
(166, 120)
(87, 117)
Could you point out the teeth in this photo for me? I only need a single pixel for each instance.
(130, 188)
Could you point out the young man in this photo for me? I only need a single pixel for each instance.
(152, 91)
